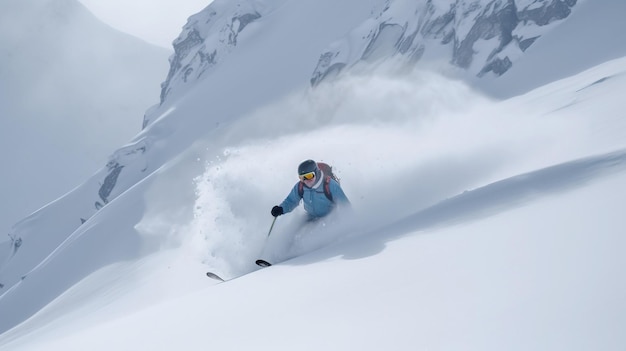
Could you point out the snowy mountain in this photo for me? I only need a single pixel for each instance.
(478, 36)
(482, 36)
(480, 224)
(65, 85)
(587, 38)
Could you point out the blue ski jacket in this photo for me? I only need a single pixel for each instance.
(316, 204)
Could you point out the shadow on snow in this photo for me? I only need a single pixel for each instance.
(489, 200)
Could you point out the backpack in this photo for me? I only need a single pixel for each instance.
(328, 174)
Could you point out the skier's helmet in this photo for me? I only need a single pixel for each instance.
(307, 169)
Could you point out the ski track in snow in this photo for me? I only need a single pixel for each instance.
(489, 200)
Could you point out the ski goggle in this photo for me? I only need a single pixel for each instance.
(307, 176)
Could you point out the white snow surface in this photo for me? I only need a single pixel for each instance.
(478, 224)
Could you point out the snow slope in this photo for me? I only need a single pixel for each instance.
(527, 258)
(480, 224)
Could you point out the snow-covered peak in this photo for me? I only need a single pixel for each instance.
(209, 37)
(481, 36)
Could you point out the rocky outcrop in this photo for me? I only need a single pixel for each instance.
(207, 38)
(485, 36)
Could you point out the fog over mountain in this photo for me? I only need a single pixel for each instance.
(72, 90)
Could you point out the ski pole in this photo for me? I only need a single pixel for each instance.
(272, 227)
(262, 262)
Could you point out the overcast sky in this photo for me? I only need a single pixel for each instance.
(156, 21)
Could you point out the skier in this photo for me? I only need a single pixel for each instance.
(317, 188)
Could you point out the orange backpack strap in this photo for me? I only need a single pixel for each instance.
(327, 189)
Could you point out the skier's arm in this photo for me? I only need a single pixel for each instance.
(291, 201)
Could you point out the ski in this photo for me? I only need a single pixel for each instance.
(214, 276)
(260, 263)
(263, 263)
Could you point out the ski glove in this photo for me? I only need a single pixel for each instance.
(277, 211)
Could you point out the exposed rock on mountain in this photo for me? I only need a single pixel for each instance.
(484, 36)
